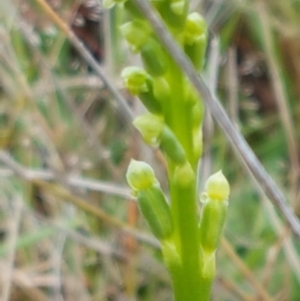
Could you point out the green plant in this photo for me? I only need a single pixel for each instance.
(174, 124)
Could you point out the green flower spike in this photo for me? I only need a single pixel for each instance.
(140, 175)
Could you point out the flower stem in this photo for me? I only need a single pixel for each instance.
(178, 115)
(187, 277)
(184, 213)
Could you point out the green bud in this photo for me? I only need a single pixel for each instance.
(135, 80)
(154, 58)
(161, 90)
(212, 220)
(213, 213)
(184, 174)
(217, 187)
(150, 126)
(155, 209)
(174, 13)
(150, 101)
(195, 28)
(171, 146)
(178, 7)
(140, 175)
(195, 39)
(196, 52)
(136, 33)
(138, 82)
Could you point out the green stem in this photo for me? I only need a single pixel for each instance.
(184, 211)
(187, 280)
(178, 114)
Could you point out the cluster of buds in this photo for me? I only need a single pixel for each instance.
(154, 84)
(154, 206)
(151, 84)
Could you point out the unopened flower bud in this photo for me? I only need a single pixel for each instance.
(135, 80)
(196, 51)
(154, 58)
(195, 27)
(140, 175)
(136, 33)
(149, 99)
(173, 12)
(150, 127)
(217, 187)
(178, 6)
(184, 174)
(161, 90)
(195, 39)
(171, 146)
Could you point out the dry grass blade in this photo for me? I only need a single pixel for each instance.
(245, 271)
(224, 281)
(281, 100)
(7, 270)
(87, 56)
(77, 201)
(47, 175)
